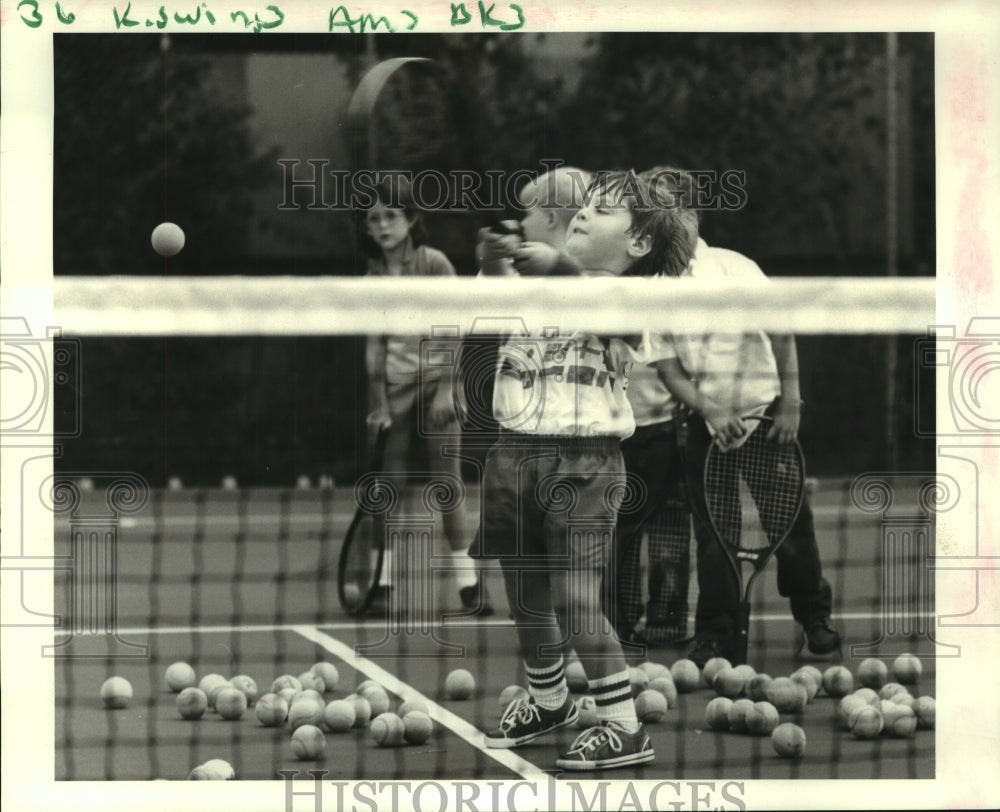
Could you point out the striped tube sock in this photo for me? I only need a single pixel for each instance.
(547, 685)
(613, 697)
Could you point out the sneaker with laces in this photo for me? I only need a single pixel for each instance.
(605, 746)
(705, 649)
(523, 721)
(822, 637)
(475, 599)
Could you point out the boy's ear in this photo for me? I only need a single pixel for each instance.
(551, 218)
(640, 246)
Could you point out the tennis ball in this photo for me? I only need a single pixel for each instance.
(838, 681)
(713, 667)
(289, 695)
(638, 680)
(786, 695)
(865, 722)
(271, 710)
(738, 715)
(847, 706)
(890, 689)
(339, 716)
(746, 673)
(898, 720)
(305, 712)
(365, 684)
(309, 693)
(310, 679)
(417, 727)
(813, 672)
(308, 742)
(686, 675)
(362, 710)
(210, 681)
(587, 709)
(756, 688)
(654, 670)
(180, 676)
(761, 719)
(717, 713)
(116, 693)
(215, 769)
(329, 674)
(872, 673)
(807, 682)
(903, 698)
(576, 677)
(907, 668)
(167, 239)
(788, 740)
(869, 695)
(387, 730)
(727, 682)
(510, 693)
(216, 690)
(285, 681)
(192, 703)
(247, 686)
(665, 685)
(411, 705)
(924, 708)
(377, 698)
(651, 706)
(230, 703)
(459, 684)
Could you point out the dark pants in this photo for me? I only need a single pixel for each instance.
(800, 575)
(657, 507)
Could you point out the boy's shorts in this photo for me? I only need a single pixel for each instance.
(551, 500)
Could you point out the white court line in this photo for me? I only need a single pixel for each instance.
(375, 623)
(442, 716)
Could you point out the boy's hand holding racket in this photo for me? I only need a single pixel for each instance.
(377, 421)
(785, 428)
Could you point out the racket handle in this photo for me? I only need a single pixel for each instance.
(740, 645)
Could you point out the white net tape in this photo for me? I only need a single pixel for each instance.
(346, 305)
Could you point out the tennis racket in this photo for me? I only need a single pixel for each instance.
(363, 552)
(753, 494)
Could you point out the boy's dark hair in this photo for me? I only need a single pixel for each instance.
(661, 203)
(393, 193)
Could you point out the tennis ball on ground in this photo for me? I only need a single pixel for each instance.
(727, 682)
(806, 681)
(738, 715)
(285, 681)
(865, 722)
(192, 703)
(788, 740)
(309, 693)
(459, 684)
(310, 679)
(898, 720)
(167, 239)
(305, 712)
(387, 730)
(215, 769)
(786, 695)
(116, 693)
(339, 716)
(510, 693)
(289, 695)
(378, 698)
(713, 667)
(903, 699)
(587, 708)
(813, 672)
(872, 673)
(210, 681)
(717, 713)
(638, 680)
(180, 676)
(271, 710)
(665, 685)
(308, 742)
(907, 668)
(746, 672)
(847, 706)
(362, 710)
(756, 688)
(411, 705)
(686, 675)
(365, 684)
(214, 693)
(654, 670)
(651, 706)
(417, 727)
(890, 689)
(838, 681)
(576, 677)
(329, 673)
(246, 685)
(761, 719)
(925, 709)
(230, 703)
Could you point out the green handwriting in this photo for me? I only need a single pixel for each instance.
(34, 18)
(257, 23)
(460, 16)
(341, 18)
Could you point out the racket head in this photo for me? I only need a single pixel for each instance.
(753, 494)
